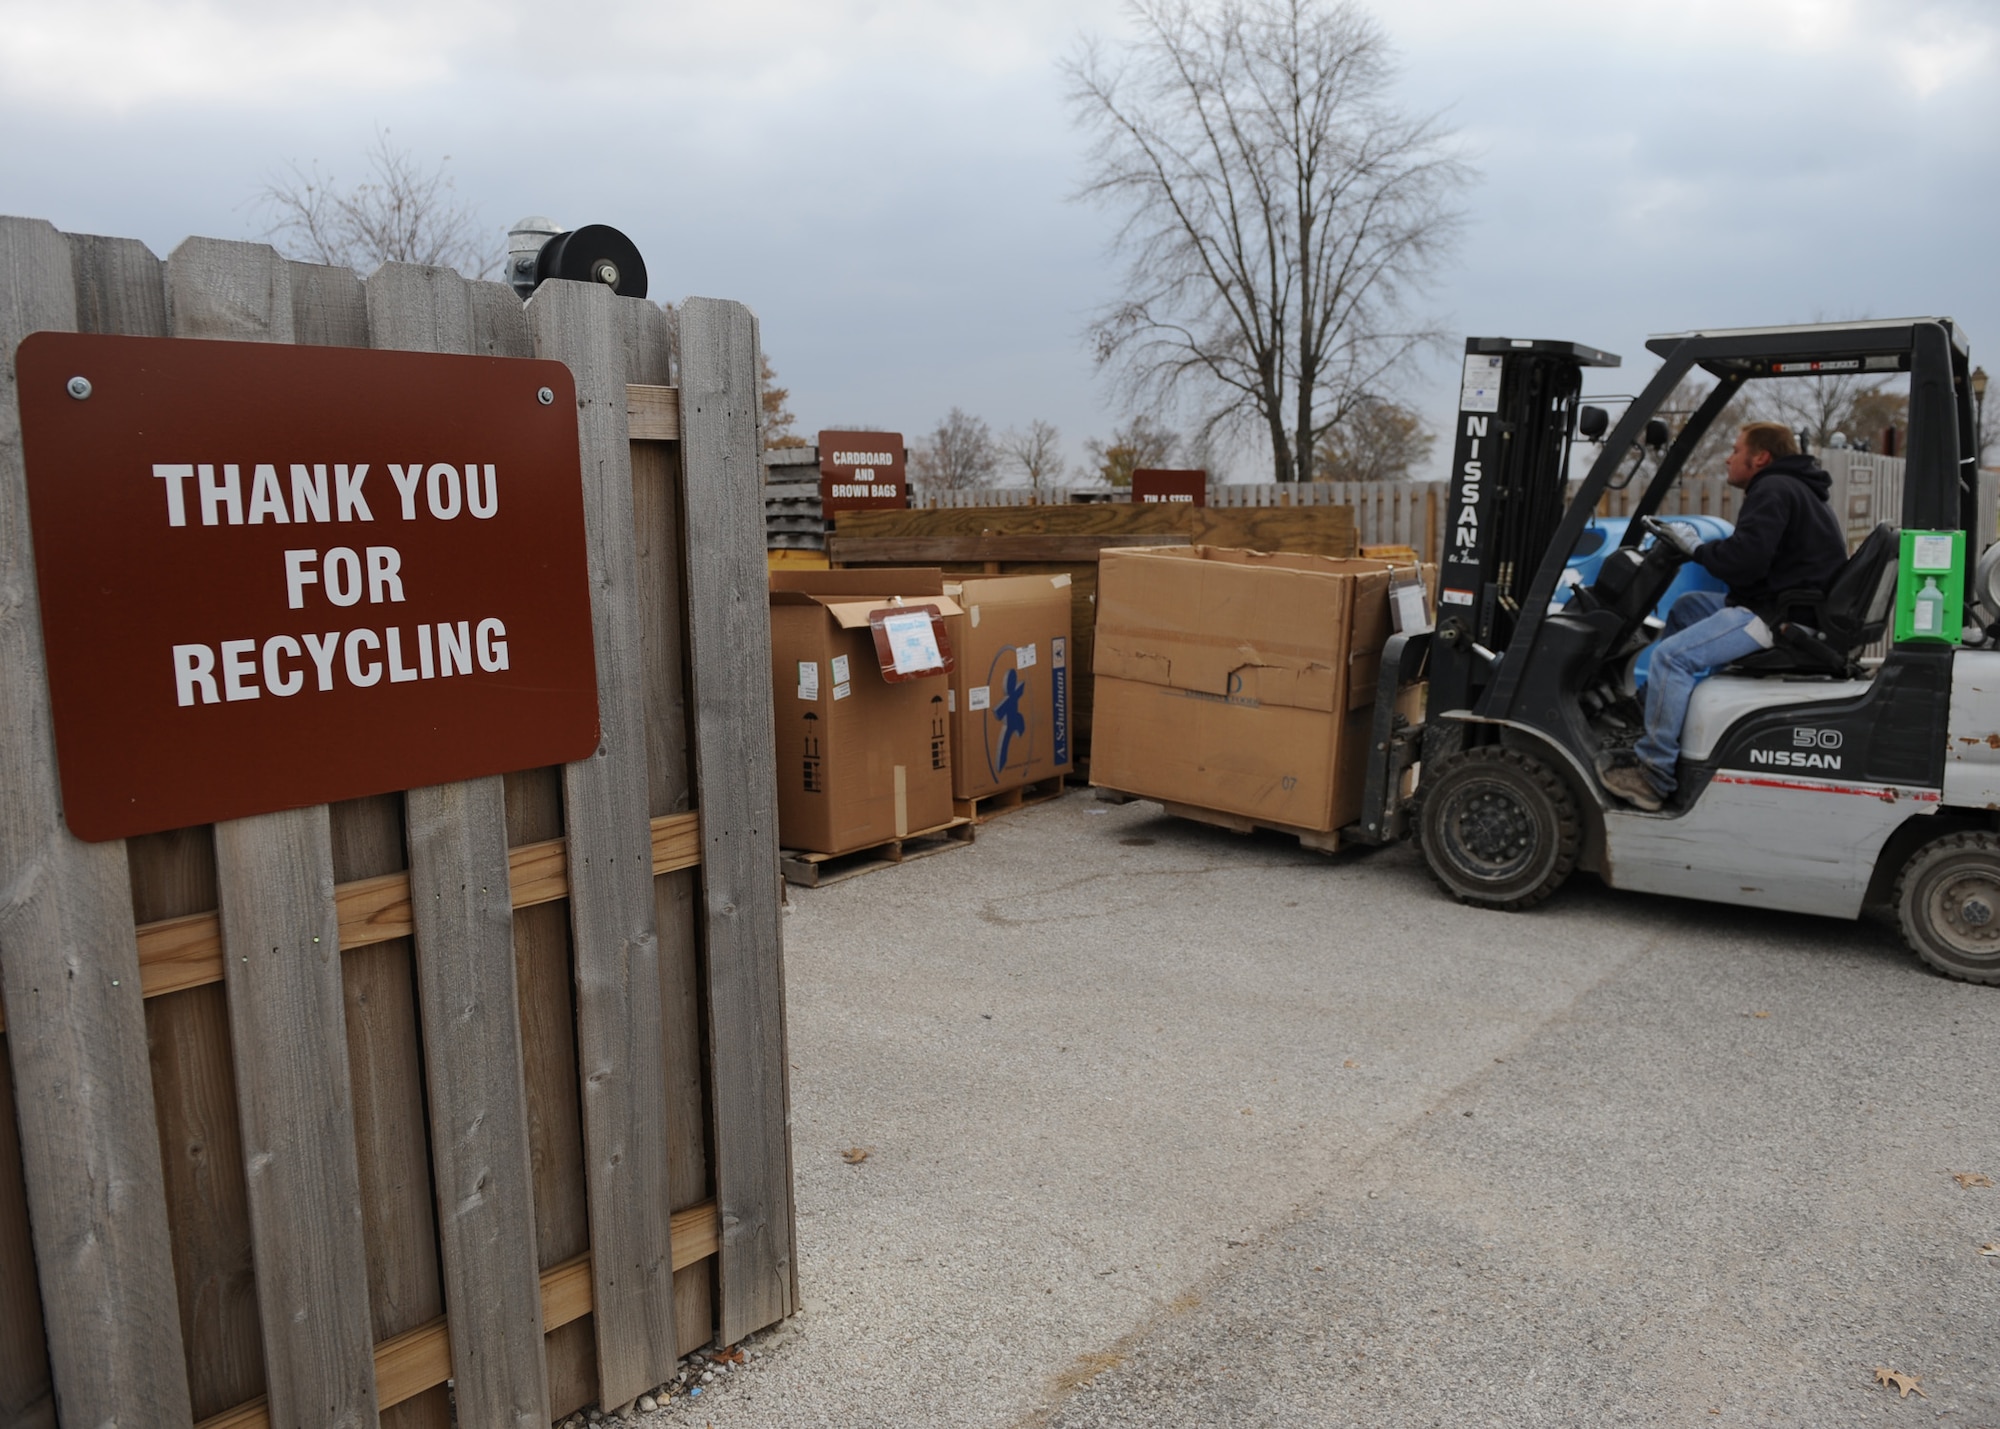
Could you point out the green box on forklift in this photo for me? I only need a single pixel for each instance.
(1930, 587)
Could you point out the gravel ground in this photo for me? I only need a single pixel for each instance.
(1165, 1126)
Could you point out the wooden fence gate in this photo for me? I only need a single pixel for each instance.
(304, 1115)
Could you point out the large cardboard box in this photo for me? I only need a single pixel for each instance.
(1238, 680)
(1010, 690)
(861, 760)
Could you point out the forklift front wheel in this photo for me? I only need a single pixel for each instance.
(1498, 827)
(1948, 901)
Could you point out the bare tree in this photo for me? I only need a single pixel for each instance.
(1037, 451)
(402, 213)
(1379, 441)
(958, 454)
(1139, 444)
(778, 418)
(1281, 213)
(1820, 406)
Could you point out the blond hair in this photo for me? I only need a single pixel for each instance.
(1774, 439)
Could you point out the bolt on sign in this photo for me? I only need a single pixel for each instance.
(278, 576)
(1156, 484)
(859, 471)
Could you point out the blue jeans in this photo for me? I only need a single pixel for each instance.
(1702, 636)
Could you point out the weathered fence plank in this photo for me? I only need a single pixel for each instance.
(463, 910)
(27, 1394)
(398, 1216)
(69, 976)
(617, 951)
(729, 629)
(282, 969)
(660, 540)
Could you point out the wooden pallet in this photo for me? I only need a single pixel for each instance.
(989, 806)
(1318, 842)
(816, 870)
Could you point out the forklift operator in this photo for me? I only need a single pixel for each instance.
(1787, 539)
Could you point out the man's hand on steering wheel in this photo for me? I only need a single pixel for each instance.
(1678, 536)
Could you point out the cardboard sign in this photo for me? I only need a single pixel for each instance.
(1150, 484)
(277, 576)
(859, 471)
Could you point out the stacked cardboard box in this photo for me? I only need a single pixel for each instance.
(1239, 681)
(1010, 687)
(862, 759)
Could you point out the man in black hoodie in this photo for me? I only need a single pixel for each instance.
(1786, 538)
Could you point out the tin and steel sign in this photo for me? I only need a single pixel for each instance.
(1158, 484)
(277, 576)
(859, 471)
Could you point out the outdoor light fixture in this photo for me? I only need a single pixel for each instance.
(539, 248)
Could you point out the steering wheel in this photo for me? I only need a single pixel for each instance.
(1673, 536)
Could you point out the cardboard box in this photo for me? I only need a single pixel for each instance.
(861, 760)
(1239, 681)
(1010, 690)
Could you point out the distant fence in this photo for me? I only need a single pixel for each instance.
(502, 1129)
(1867, 489)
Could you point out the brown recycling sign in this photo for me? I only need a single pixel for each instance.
(276, 576)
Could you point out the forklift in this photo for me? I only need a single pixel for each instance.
(1814, 777)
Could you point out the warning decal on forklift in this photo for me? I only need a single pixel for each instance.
(1481, 390)
(1456, 597)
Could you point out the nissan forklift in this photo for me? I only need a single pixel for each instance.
(1814, 777)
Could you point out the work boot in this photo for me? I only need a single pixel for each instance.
(1629, 782)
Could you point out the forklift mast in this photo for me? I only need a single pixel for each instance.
(1509, 484)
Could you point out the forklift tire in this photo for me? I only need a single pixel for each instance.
(1948, 902)
(1498, 827)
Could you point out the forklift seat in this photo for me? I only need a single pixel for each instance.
(1848, 616)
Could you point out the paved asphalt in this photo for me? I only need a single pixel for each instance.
(1170, 1127)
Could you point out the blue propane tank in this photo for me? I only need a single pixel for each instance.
(1603, 536)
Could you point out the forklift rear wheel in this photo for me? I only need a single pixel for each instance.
(1498, 827)
(1948, 901)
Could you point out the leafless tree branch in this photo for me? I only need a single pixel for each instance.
(1280, 215)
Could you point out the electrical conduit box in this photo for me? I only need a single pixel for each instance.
(1930, 587)
(1009, 699)
(862, 759)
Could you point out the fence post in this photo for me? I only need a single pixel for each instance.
(281, 966)
(464, 920)
(620, 1047)
(69, 976)
(735, 772)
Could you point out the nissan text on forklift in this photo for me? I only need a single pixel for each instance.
(1813, 778)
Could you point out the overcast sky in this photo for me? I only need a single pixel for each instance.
(887, 182)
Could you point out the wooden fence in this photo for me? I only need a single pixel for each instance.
(304, 1115)
(1867, 489)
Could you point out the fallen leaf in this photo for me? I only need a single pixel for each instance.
(1248, 1112)
(1350, 1064)
(1969, 1179)
(730, 1355)
(1904, 1383)
(854, 1155)
(1760, 1014)
(1992, 1247)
